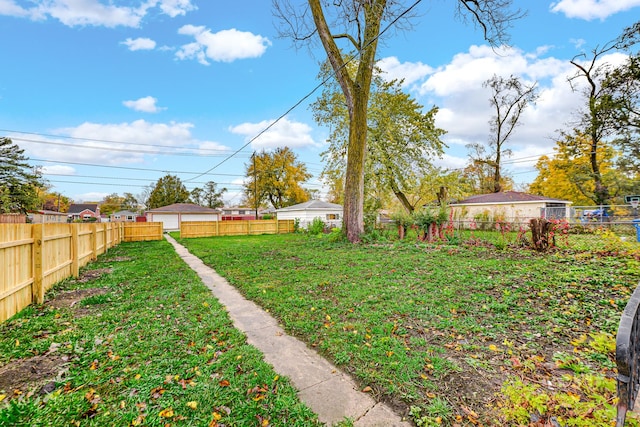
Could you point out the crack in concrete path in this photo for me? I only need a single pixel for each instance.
(330, 393)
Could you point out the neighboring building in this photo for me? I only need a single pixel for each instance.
(238, 213)
(44, 216)
(84, 212)
(171, 216)
(123, 216)
(510, 206)
(306, 212)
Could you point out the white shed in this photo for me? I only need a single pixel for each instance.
(329, 213)
(511, 206)
(171, 216)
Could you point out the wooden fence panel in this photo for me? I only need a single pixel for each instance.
(34, 257)
(57, 257)
(16, 274)
(189, 229)
(142, 231)
(86, 240)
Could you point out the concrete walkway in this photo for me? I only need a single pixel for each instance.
(321, 386)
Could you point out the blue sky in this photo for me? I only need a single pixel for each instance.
(109, 96)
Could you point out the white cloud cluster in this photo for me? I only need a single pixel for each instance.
(284, 133)
(464, 109)
(115, 143)
(145, 105)
(141, 43)
(592, 9)
(223, 46)
(94, 12)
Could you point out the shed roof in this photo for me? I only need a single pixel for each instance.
(507, 197)
(311, 205)
(184, 208)
(79, 207)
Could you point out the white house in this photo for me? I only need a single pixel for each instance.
(171, 216)
(329, 213)
(510, 206)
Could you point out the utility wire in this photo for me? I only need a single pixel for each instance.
(102, 140)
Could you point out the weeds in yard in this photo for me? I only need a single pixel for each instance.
(447, 334)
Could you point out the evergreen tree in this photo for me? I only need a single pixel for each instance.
(18, 182)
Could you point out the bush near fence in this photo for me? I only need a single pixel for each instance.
(34, 257)
(189, 229)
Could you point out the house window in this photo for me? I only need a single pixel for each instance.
(333, 217)
(241, 212)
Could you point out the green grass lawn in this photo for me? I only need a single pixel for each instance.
(137, 340)
(451, 334)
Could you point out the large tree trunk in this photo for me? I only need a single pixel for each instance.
(354, 180)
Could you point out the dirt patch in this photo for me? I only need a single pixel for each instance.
(32, 375)
(89, 275)
(68, 299)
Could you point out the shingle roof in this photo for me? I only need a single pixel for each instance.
(183, 208)
(311, 205)
(77, 208)
(506, 197)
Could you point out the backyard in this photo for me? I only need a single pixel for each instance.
(451, 333)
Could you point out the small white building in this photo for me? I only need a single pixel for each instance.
(305, 213)
(171, 216)
(510, 206)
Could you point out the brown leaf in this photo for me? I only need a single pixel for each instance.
(224, 383)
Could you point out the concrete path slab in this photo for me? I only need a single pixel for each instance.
(330, 393)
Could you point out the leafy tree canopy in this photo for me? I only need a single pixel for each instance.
(168, 190)
(19, 183)
(275, 178)
(401, 140)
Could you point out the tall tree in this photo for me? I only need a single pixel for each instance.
(196, 196)
(130, 202)
(212, 198)
(275, 178)
(359, 23)
(568, 175)
(168, 190)
(509, 98)
(401, 138)
(596, 119)
(622, 85)
(111, 203)
(481, 171)
(19, 181)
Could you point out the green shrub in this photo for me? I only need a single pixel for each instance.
(317, 226)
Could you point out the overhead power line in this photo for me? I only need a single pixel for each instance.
(107, 141)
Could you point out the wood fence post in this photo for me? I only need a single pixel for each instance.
(217, 228)
(75, 256)
(94, 241)
(37, 291)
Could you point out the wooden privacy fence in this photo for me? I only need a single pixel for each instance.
(235, 228)
(34, 257)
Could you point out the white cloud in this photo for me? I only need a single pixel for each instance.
(141, 43)
(115, 143)
(592, 9)
(284, 133)
(410, 72)
(58, 170)
(10, 8)
(96, 13)
(174, 8)
(145, 105)
(223, 46)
